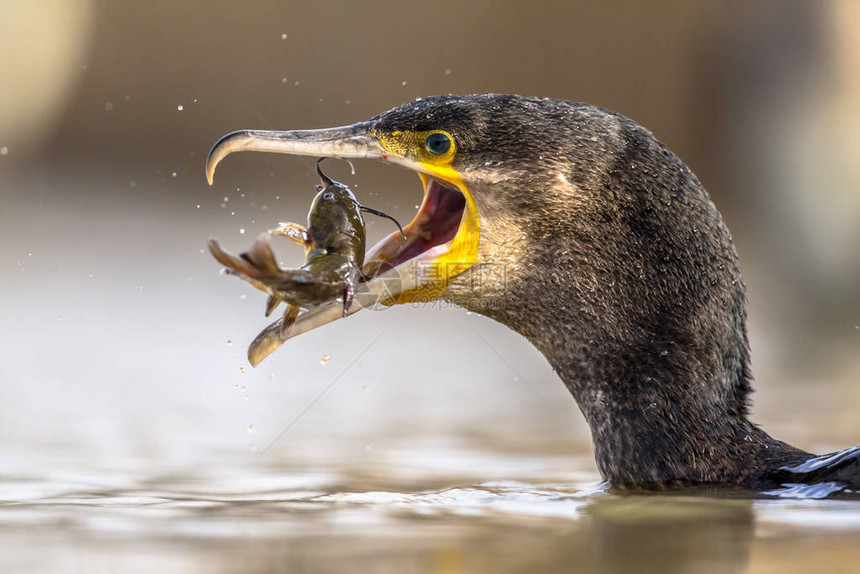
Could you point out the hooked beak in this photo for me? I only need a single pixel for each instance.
(418, 262)
(347, 142)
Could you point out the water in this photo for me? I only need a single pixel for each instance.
(125, 443)
(407, 519)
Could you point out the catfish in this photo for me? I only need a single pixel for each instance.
(335, 244)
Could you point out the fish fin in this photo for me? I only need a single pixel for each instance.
(289, 319)
(271, 304)
(262, 257)
(258, 284)
(298, 233)
(257, 267)
(233, 264)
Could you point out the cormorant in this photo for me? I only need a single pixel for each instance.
(575, 227)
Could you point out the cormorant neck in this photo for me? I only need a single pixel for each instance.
(625, 277)
(655, 418)
(661, 409)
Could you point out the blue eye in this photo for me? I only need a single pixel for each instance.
(328, 196)
(438, 143)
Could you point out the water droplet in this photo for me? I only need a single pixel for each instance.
(296, 83)
(403, 83)
(4, 150)
(251, 428)
(108, 107)
(283, 80)
(229, 341)
(242, 372)
(180, 107)
(242, 230)
(198, 206)
(195, 100)
(226, 199)
(448, 72)
(271, 376)
(132, 183)
(174, 174)
(664, 353)
(325, 359)
(283, 36)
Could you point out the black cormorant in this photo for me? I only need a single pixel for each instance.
(575, 227)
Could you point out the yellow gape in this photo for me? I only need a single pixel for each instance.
(434, 151)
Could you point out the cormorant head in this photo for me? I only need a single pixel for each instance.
(459, 146)
(555, 206)
(602, 247)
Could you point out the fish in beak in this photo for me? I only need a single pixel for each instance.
(440, 242)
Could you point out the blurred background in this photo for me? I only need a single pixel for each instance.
(124, 350)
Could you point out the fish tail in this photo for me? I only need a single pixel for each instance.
(258, 264)
(262, 257)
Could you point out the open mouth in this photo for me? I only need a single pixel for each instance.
(440, 242)
(437, 222)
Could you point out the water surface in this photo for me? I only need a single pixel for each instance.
(135, 437)
(436, 517)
